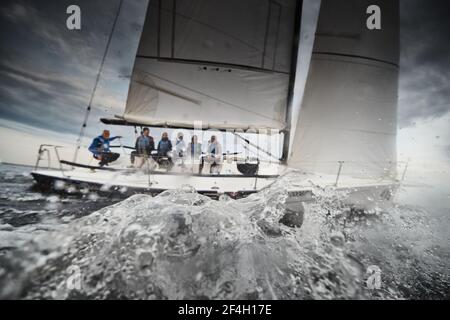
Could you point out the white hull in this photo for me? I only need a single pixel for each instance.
(300, 187)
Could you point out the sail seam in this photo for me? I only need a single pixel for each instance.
(357, 130)
(204, 62)
(356, 56)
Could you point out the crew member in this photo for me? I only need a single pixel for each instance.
(100, 148)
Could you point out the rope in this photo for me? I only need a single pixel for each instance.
(122, 147)
(88, 109)
(256, 146)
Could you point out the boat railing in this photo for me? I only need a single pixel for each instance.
(392, 170)
(341, 164)
(45, 149)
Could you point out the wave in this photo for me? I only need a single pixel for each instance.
(182, 245)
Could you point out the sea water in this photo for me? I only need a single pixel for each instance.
(182, 245)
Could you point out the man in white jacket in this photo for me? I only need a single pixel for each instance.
(213, 159)
(180, 149)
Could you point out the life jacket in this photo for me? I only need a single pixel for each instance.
(143, 145)
(99, 144)
(164, 146)
(213, 148)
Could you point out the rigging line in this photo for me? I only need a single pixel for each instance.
(255, 146)
(169, 92)
(88, 109)
(208, 96)
(269, 12)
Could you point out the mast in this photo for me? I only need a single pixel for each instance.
(294, 55)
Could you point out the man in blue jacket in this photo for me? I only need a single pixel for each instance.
(100, 148)
(143, 148)
(164, 148)
(164, 145)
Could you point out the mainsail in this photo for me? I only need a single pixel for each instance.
(227, 64)
(348, 115)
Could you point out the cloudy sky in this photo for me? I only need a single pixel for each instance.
(424, 105)
(47, 72)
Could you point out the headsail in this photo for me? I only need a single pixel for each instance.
(224, 63)
(349, 109)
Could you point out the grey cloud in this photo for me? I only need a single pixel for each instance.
(47, 69)
(47, 72)
(425, 62)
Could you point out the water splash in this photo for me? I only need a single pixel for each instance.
(182, 245)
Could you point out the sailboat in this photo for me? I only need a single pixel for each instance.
(230, 66)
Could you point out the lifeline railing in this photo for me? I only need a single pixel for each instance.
(43, 148)
(340, 166)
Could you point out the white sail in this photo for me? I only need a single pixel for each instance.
(224, 63)
(349, 109)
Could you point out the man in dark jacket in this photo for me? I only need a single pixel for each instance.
(100, 148)
(164, 146)
(144, 147)
(145, 143)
